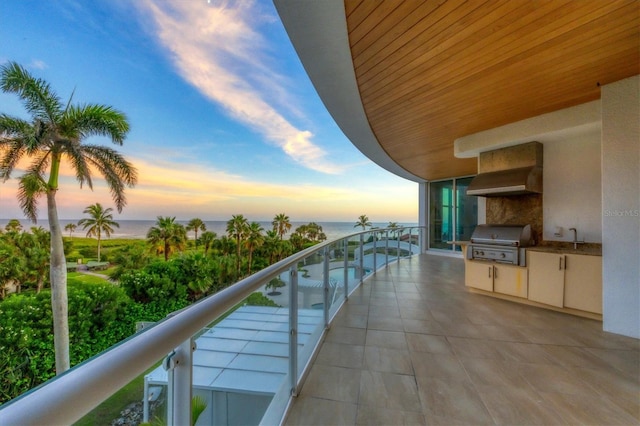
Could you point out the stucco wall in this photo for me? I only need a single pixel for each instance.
(621, 206)
(572, 195)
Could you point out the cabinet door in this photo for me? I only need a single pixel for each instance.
(583, 283)
(510, 280)
(479, 275)
(546, 278)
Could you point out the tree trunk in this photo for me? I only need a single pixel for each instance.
(99, 246)
(58, 277)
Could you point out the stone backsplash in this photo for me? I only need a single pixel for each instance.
(517, 210)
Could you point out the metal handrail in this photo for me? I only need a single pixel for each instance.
(68, 397)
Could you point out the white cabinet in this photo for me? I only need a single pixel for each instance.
(479, 275)
(566, 280)
(583, 283)
(546, 278)
(511, 280)
(499, 278)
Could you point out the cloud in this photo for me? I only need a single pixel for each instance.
(38, 64)
(166, 188)
(216, 49)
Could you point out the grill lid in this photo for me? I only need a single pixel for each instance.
(505, 235)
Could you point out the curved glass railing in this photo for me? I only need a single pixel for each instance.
(225, 353)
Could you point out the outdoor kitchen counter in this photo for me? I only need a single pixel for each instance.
(589, 249)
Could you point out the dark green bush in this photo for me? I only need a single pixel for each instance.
(97, 319)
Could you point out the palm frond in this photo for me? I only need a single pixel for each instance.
(11, 127)
(89, 120)
(30, 188)
(12, 152)
(76, 154)
(116, 171)
(40, 164)
(36, 94)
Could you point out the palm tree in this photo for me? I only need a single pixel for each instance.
(169, 233)
(58, 130)
(271, 243)
(394, 227)
(281, 224)
(207, 239)
(237, 229)
(254, 240)
(71, 227)
(100, 221)
(196, 225)
(363, 221)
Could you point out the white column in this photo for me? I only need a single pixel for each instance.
(621, 206)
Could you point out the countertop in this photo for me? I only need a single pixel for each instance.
(589, 249)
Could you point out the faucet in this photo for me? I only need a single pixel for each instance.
(575, 238)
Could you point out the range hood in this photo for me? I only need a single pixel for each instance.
(523, 180)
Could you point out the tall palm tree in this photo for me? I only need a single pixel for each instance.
(207, 239)
(58, 130)
(363, 221)
(281, 224)
(196, 225)
(254, 240)
(237, 229)
(71, 227)
(169, 233)
(100, 221)
(271, 243)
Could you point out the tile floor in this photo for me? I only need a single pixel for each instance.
(413, 346)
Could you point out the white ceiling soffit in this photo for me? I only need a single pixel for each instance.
(556, 125)
(318, 32)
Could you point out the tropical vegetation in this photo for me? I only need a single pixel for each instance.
(59, 130)
(138, 287)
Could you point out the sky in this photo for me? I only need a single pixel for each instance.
(224, 120)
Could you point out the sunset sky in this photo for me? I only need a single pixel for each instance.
(223, 118)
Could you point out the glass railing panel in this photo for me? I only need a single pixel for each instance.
(335, 268)
(268, 355)
(133, 403)
(311, 306)
(241, 361)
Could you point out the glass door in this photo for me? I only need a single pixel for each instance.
(452, 214)
(441, 214)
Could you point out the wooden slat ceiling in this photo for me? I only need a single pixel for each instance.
(432, 71)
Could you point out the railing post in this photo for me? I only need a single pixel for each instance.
(293, 329)
(179, 365)
(410, 243)
(325, 274)
(345, 276)
(145, 401)
(386, 249)
(375, 252)
(361, 251)
(398, 249)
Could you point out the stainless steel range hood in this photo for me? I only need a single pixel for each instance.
(524, 180)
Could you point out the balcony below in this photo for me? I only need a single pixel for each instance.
(413, 346)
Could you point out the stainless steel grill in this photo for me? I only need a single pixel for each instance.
(500, 243)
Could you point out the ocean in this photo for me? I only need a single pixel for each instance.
(138, 229)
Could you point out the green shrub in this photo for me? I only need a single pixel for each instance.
(97, 320)
(259, 299)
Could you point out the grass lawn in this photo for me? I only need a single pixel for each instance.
(85, 278)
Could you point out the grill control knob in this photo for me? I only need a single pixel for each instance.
(502, 255)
